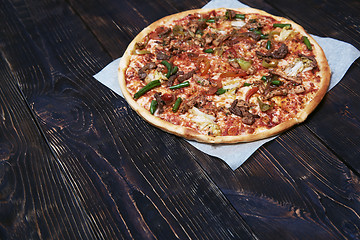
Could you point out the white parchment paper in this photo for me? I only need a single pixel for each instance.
(340, 56)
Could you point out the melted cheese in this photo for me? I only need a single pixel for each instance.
(205, 122)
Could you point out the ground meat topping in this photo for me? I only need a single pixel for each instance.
(277, 92)
(162, 56)
(253, 35)
(186, 76)
(196, 101)
(160, 102)
(142, 71)
(241, 109)
(279, 53)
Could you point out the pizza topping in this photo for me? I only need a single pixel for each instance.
(195, 101)
(186, 76)
(276, 92)
(309, 60)
(163, 32)
(177, 104)
(279, 53)
(269, 63)
(282, 25)
(268, 45)
(299, 65)
(171, 80)
(147, 88)
(297, 89)
(205, 122)
(180, 85)
(220, 39)
(287, 77)
(307, 42)
(142, 71)
(160, 102)
(240, 63)
(230, 14)
(241, 109)
(162, 56)
(203, 63)
(142, 45)
(168, 67)
(197, 26)
(209, 38)
(140, 52)
(284, 35)
(264, 106)
(209, 50)
(251, 92)
(220, 91)
(168, 98)
(153, 106)
(253, 24)
(201, 81)
(238, 23)
(254, 35)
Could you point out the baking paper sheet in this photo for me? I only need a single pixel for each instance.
(340, 56)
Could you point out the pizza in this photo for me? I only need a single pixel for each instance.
(224, 75)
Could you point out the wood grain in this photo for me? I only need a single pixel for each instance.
(304, 188)
(77, 163)
(125, 185)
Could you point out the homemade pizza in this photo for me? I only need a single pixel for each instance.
(224, 75)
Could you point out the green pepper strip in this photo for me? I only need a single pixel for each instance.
(240, 16)
(268, 45)
(174, 70)
(209, 50)
(282, 25)
(276, 82)
(211, 20)
(247, 84)
(168, 66)
(220, 91)
(244, 65)
(153, 106)
(255, 31)
(271, 64)
(177, 104)
(180, 85)
(147, 88)
(264, 106)
(262, 36)
(307, 43)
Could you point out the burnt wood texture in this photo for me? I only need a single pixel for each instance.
(77, 163)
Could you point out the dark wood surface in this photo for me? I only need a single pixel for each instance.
(77, 163)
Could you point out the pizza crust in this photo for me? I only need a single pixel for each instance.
(191, 134)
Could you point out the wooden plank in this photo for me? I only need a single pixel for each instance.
(37, 199)
(263, 189)
(293, 188)
(104, 151)
(341, 109)
(116, 23)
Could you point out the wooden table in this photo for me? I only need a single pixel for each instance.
(77, 163)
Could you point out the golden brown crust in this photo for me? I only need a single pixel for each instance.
(191, 134)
